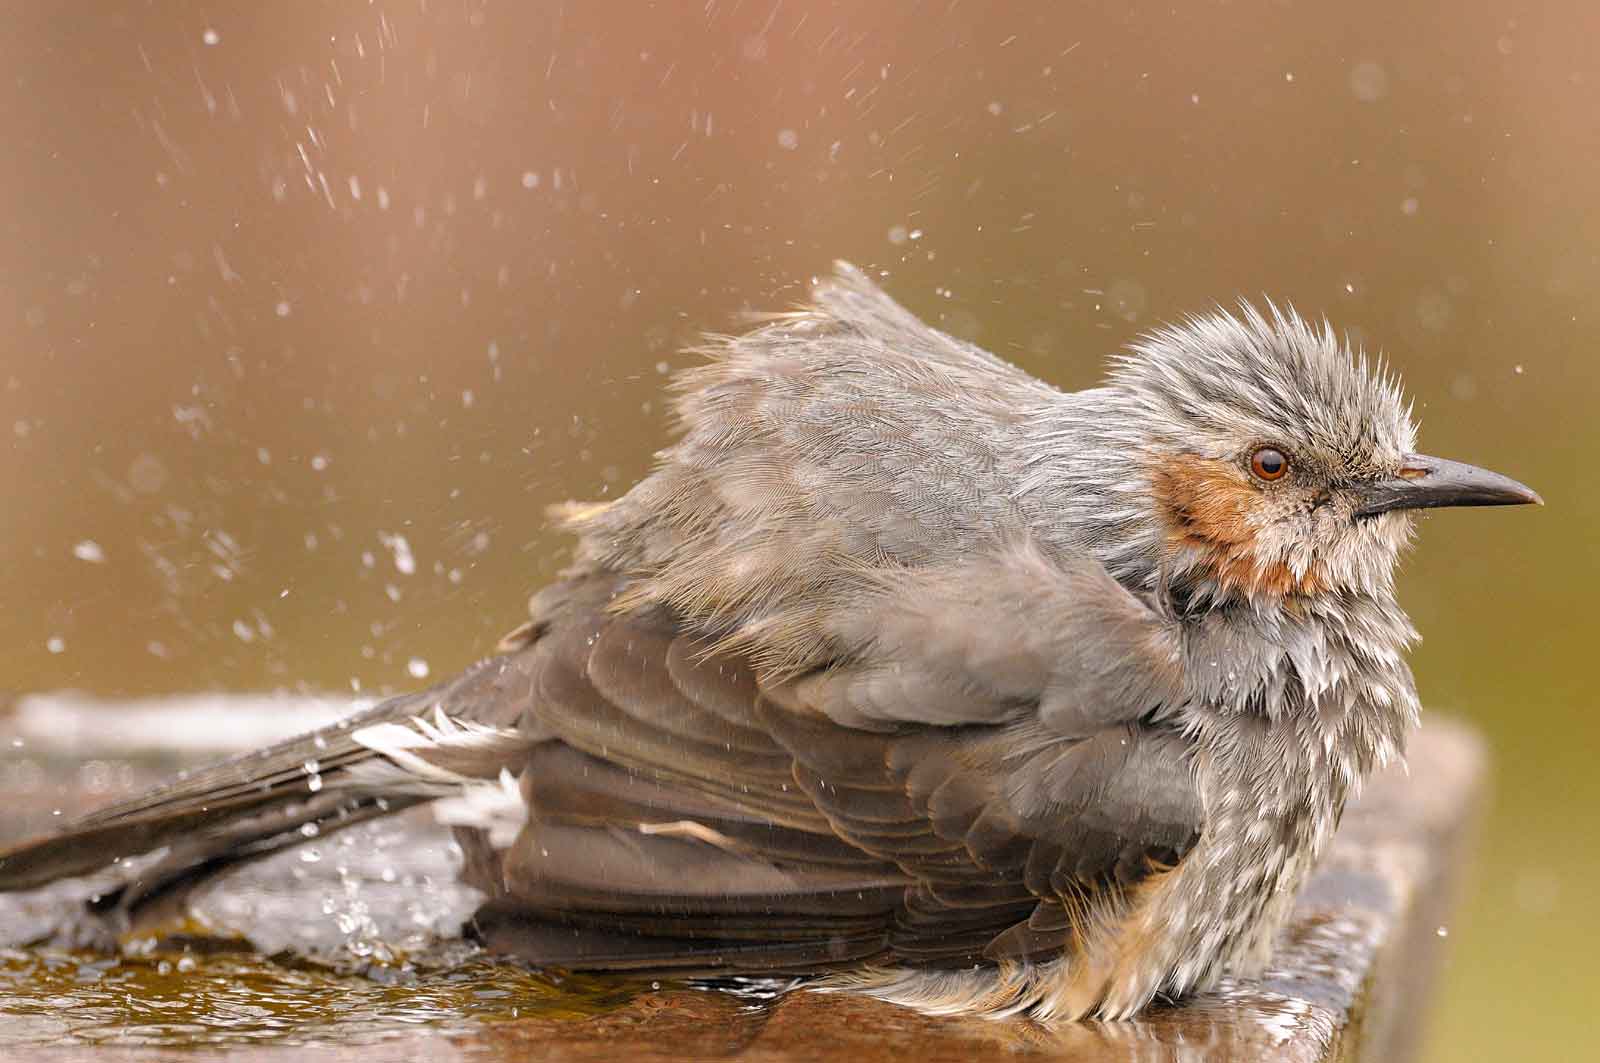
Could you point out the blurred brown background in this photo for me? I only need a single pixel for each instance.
(311, 309)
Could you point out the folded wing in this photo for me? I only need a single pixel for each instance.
(993, 766)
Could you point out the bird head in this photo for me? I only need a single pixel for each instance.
(1280, 465)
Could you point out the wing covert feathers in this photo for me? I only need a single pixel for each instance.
(688, 798)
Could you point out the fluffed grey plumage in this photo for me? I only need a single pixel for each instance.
(905, 666)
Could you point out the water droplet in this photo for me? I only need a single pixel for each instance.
(405, 562)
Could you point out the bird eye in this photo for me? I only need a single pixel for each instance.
(1269, 463)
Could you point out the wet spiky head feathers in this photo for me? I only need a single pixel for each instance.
(1268, 376)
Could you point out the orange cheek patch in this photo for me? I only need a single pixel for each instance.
(1207, 504)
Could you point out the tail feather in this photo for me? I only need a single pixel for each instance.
(411, 748)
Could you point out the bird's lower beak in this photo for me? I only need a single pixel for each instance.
(1427, 483)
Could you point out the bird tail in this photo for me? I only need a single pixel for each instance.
(404, 751)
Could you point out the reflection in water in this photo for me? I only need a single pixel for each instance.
(185, 1000)
(50, 997)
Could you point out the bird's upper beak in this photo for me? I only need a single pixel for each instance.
(1425, 483)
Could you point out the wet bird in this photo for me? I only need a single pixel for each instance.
(908, 671)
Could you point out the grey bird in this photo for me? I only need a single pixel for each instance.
(908, 671)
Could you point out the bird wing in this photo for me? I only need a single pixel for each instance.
(1010, 634)
(694, 816)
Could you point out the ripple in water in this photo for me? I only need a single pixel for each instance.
(172, 999)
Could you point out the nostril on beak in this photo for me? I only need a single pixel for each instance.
(1424, 482)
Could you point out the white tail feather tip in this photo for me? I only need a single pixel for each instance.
(494, 807)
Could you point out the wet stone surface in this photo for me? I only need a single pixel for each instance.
(347, 948)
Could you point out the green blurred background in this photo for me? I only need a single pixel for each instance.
(310, 310)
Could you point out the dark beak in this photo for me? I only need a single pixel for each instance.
(1427, 483)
